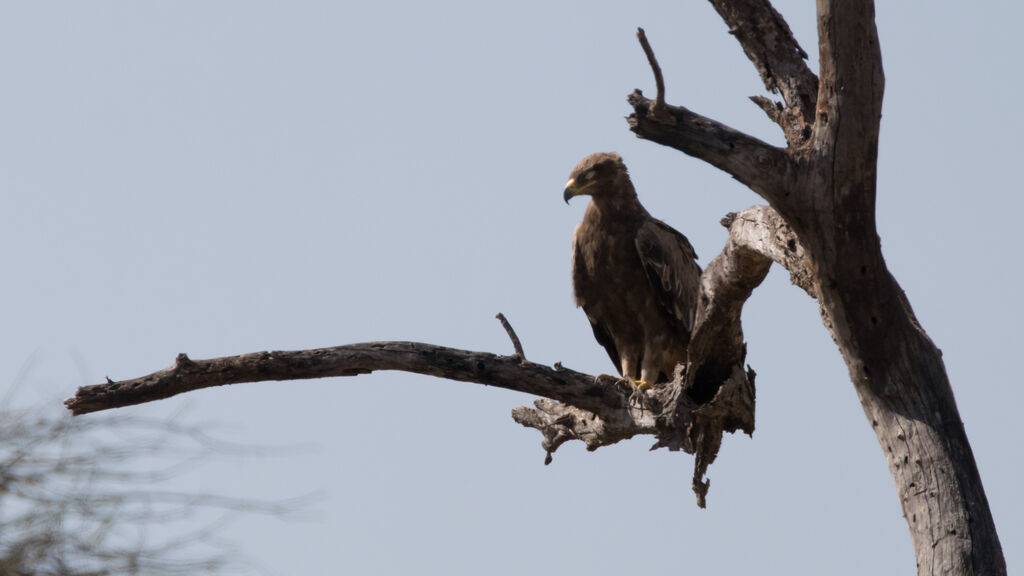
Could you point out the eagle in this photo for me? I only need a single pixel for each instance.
(636, 277)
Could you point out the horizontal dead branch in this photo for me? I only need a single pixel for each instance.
(508, 372)
(761, 166)
(596, 410)
(712, 394)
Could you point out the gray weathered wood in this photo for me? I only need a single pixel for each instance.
(826, 197)
(782, 63)
(352, 360)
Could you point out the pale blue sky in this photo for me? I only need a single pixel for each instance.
(226, 177)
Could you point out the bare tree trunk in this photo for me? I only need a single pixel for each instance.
(824, 186)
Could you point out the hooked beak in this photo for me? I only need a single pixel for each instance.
(570, 190)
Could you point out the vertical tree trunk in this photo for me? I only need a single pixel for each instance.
(896, 369)
(824, 184)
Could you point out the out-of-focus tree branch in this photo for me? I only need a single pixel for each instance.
(82, 497)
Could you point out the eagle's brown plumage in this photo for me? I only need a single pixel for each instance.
(635, 277)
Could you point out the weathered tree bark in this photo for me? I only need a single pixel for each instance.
(823, 185)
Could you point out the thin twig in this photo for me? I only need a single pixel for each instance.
(512, 334)
(658, 110)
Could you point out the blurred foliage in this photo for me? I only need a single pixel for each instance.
(84, 496)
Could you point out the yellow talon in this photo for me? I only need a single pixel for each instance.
(643, 385)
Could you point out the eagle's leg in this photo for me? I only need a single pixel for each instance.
(650, 369)
(639, 387)
(630, 372)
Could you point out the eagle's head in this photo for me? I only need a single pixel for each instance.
(599, 175)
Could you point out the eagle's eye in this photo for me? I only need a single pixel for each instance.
(588, 175)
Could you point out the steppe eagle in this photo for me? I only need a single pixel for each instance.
(636, 277)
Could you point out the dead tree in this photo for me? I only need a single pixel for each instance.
(820, 226)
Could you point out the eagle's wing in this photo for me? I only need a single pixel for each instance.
(581, 278)
(672, 269)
